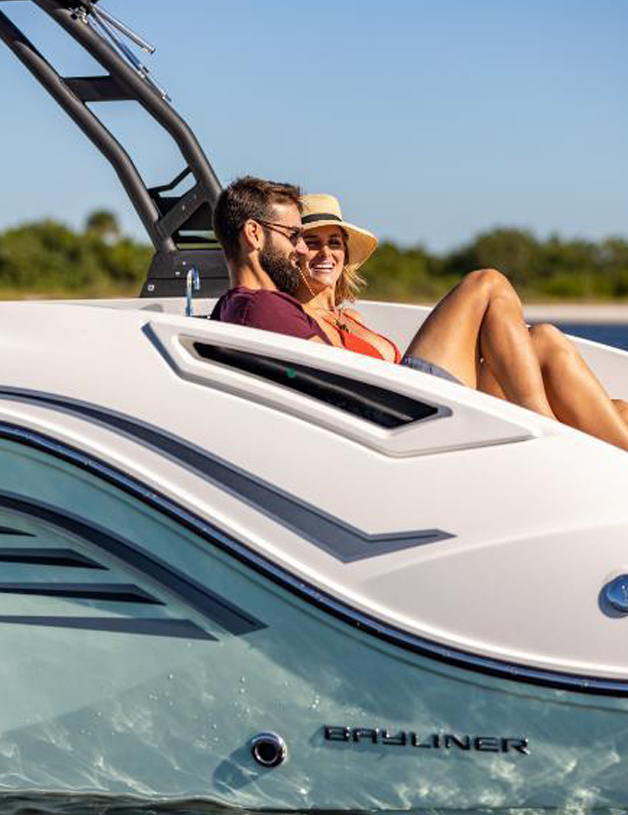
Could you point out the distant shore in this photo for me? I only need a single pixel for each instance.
(601, 313)
(577, 312)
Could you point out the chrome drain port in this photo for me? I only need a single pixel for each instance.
(269, 749)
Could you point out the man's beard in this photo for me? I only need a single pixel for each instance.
(281, 269)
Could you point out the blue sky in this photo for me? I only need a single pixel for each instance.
(431, 119)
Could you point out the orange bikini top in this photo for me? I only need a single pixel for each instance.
(361, 346)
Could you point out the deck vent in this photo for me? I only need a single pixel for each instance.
(379, 406)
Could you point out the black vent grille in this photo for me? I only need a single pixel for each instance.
(376, 405)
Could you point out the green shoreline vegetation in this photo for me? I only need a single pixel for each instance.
(47, 259)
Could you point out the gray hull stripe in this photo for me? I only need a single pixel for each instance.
(342, 541)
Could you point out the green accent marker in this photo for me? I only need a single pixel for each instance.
(290, 373)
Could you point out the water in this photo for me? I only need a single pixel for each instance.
(105, 805)
(609, 333)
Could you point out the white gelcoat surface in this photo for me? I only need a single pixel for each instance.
(537, 510)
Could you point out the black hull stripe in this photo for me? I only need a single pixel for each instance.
(32, 556)
(110, 592)
(19, 533)
(185, 629)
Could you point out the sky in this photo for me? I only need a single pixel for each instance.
(431, 120)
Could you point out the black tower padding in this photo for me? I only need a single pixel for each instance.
(173, 222)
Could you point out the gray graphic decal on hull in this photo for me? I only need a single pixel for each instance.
(212, 606)
(342, 541)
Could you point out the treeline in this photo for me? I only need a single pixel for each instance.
(552, 269)
(47, 258)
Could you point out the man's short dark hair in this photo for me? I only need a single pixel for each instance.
(246, 198)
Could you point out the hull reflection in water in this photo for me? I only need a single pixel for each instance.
(111, 805)
(106, 805)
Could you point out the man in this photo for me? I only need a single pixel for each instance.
(258, 224)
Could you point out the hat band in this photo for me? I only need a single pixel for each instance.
(320, 216)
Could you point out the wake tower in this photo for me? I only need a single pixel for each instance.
(178, 225)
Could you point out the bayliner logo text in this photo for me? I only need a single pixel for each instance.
(432, 741)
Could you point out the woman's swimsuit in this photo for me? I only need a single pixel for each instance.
(352, 342)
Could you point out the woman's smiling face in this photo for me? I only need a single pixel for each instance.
(325, 257)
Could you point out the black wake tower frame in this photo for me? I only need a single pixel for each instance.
(173, 222)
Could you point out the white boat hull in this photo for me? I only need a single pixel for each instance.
(201, 602)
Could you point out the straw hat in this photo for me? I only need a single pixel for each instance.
(321, 209)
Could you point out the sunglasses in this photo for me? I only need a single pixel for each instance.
(294, 233)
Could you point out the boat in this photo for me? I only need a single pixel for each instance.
(244, 569)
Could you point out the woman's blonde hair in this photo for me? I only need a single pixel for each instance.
(350, 281)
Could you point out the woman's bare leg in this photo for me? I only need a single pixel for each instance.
(482, 317)
(488, 384)
(566, 375)
(576, 396)
(622, 409)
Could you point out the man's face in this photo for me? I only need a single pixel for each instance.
(283, 247)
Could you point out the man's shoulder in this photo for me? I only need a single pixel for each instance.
(269, 309)
(260, 308)
(244, 305)
(270, 298)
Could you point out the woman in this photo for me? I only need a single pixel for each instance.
(475, 335)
